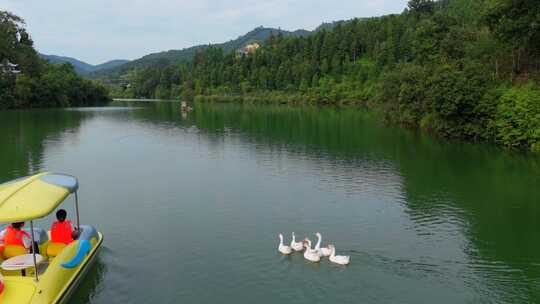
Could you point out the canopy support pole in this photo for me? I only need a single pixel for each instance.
(34, 250)
(77, 211)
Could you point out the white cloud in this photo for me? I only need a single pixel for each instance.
(100, 30)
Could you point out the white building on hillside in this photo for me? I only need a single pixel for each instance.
(248, 49)
(7, 67)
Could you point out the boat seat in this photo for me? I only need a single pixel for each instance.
(54, 249)
(88, 233)
(11, 251)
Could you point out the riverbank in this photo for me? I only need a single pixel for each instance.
(279, 98)
(439, 68)
(508, 116)
(144, 99)
(448, 69)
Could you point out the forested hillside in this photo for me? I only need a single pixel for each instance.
(458, 68)
(161, 59)
(36, 82)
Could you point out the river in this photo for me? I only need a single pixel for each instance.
(191, 205)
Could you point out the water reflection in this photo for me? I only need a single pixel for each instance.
(92, 284)
(439, 212)
(497, 189)
(23, 140)
(488, 194)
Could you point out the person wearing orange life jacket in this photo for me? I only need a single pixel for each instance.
(61, 230)
(13, 235)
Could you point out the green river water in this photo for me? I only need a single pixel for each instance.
(191, 205)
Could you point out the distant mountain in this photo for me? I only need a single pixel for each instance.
(259, 34)
(109, 65)
(80, 67)
(83, 68)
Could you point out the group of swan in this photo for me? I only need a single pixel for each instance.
(313, 254)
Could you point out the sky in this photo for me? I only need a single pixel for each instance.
(96, 31)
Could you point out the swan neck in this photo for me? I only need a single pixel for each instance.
(318, 246)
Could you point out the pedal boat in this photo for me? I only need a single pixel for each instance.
(56, 271)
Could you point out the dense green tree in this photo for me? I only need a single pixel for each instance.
(39, 84)
(518, 118)
(421, 6)
(7, 92)
(516, 23)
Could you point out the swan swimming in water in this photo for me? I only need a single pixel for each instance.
(322, 251)
(310, 254)
(296, 246)
(283, 249)
(338, 259)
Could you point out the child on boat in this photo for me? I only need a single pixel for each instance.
(62, 230)
(15, 237)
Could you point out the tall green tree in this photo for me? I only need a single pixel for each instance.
(421, 6)
(516, 23)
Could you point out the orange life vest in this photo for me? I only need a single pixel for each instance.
(14, 237)
(61, 232)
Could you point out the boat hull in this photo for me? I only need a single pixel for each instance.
(57, 283)
(64, 298)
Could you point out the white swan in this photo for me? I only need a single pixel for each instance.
(296, 246)
(310, 254)
(338, 259)
(322, 251)
(283, 249)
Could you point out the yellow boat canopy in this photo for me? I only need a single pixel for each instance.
(34, 197)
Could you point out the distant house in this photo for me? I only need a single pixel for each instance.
(7, 67)
(248, 49)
